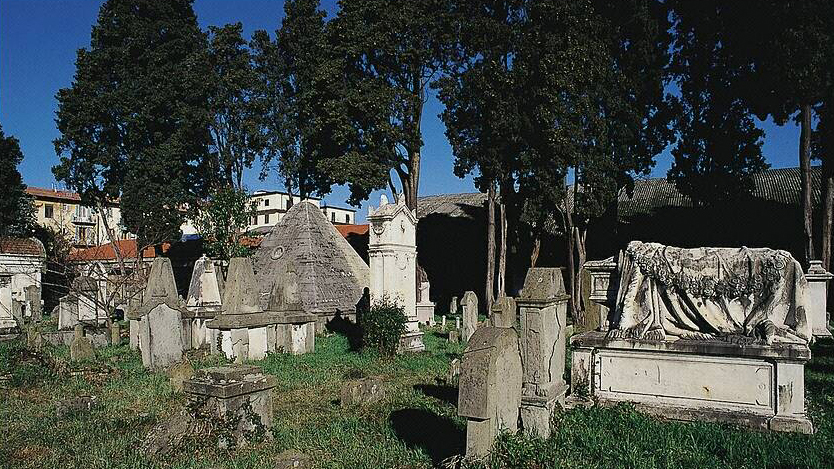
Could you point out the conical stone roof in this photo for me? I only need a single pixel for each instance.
(304, 247)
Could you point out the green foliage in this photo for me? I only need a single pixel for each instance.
(296, 82)
(17, 212)
(719, 147)
(134, 122)
(222, 221)
(237, 110)
(383, 325)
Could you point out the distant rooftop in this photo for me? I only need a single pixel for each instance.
(22, 247)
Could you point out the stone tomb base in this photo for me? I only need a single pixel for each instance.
(753, 385)
(251, 336)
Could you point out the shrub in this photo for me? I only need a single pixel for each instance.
(383, 325)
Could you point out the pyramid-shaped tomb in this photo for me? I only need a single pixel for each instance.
(330, 274)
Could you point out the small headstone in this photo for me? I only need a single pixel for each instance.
(362, 392)
(503, 312)
(454, 371)
(34, 338)
(470, 314)
(454, 336)
(443, 321)
(160, 337)
(78, 331)
(457, 323)
(81, 349)
(453, 306)
(115, 334)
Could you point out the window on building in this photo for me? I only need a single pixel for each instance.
(347, 218)
(266, 202)
(255, 220)
(48, 211)
(266, 218)
(333, 217)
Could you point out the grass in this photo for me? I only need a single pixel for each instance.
(415, 426)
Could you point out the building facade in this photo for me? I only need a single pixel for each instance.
(84, 226)
(272, 205)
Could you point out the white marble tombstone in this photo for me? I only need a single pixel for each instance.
(818, 279)
(392, 251)
(7, 320)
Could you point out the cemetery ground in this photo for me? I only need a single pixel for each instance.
(414, 425)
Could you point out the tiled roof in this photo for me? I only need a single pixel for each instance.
(106, 252)
(54, 194)
(22, 247)
(346, 230)
(452, 205)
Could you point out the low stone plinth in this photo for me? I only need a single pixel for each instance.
(251, 336)
(760, 386)
(425, 313)
(240, 395)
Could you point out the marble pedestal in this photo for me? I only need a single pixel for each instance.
(752, 385)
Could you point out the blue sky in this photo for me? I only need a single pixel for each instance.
(39, 39)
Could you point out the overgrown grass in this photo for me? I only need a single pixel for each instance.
(415, 426)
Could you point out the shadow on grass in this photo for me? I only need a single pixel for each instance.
(439, 437)
(341, 325)
(447, 394)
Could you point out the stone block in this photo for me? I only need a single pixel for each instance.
(81, 349)
(818, 279)
(490, 387)
(160, 337)
(134, 334)
(75, 405)
(362, 392)
(454, 337)
(756, 385)
(503, 313)
(115, 334)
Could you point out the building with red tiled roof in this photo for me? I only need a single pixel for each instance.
(107, 252)
(22, 262)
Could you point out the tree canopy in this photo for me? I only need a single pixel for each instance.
(17, 216)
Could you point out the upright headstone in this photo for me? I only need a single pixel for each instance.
(203, 301)
(490, 387)
(443, 322)
(469, 303)
(67, 312)
(86, 290)
(32, 294)
(425, 307)
(818, 279)
(453, 306)
(543, 305)
(392, 250)
(504, 312)
(160, 337)
(295, 330)
(81, 347)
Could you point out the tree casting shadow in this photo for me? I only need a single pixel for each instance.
(438, 436)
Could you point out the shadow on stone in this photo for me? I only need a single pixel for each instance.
(447, 394)
(341, 325)
(439, 437)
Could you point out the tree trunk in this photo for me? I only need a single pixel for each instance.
(490, 274)
(502, 252)
(805, 178)
(827, 209)
(537, 245)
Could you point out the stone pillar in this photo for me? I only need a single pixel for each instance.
(202, 303)
(425, 308)
(503, 313)
(32, 294)
(392, 252)
(817, 312)
(469, 303)
(115, 334)
(602, 291)
(543, 304)
(490, 387)
(241, 393)
(453, 306)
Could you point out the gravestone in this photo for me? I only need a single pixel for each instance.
(503, 312)
(32, 295)
(818, 279)
(469, 303)
(443, 322)
(490, 387)
(203, 301)
(67, 312)
(161, 289)
(362, 392)
(392, 251)
(425, 308)
(86, 291)
(115, 334)
(81, 347)
(454, 336)
(543, 306)
(160, 337)
(453, 306)
(7, 319)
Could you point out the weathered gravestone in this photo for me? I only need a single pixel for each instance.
(160, 337)
(89, 309)
(453, 306)
(543, 305)
(67, 312)
(425, 307)
(392, 252)
(818, 279)
(32, 295)
(490, 387)
(81, 347)
(203, 301)
(470, 314)
(362, 391)
(503, 312)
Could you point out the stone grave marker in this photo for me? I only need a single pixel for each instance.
(470, 314)
(503, 312)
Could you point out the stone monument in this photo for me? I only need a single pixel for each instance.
(469, 303)
(7, 319)
(490, 387)
(67, 312)
(331, 276)
(392, 250)
(90, 308)
(543, 304)
(453, 306)
(818, 279)
(504, 312)
(203, 301)
(425, 307)
(717, 334)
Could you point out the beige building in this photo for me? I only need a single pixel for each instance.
(272, 205)
(63, 212)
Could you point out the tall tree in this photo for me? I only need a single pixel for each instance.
(391, 52)
(134, 122)
(222, 221)
(719, 146)
(296, 78)
(17, 217)
(481, 114)
(235, 126)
